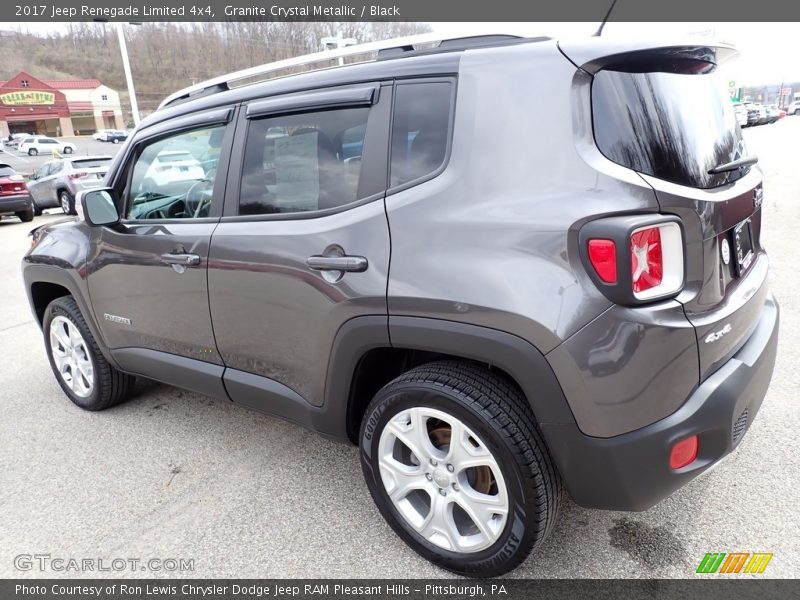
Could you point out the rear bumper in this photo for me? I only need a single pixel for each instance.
(631, 471)
(13, 204)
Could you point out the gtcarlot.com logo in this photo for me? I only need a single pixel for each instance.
(734, 562)
(48, 562)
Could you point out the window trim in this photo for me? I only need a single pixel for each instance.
(124, 171)
(315, 101)
(375, 176)
(450, 127)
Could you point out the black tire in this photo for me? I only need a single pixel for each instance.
(33, 152)
(67, 150)
(26, 216)
(111, 386)
(797, 112)
(37, 212)
(115, 141)
(66, 202)
(499, 414)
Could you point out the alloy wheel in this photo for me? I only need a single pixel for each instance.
(443, 480)
(71, 356)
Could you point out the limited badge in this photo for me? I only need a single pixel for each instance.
(725, 249)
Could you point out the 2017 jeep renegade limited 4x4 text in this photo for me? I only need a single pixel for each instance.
(500, 266)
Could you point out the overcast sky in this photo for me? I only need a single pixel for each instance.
(768, 51)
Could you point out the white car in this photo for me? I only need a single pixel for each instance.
(101, 134)
(172, 166)
(741, 113)
(793, 108)
(38, 144)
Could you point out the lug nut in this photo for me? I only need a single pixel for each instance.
(428, 476)
(450, 468)
(455, 487)
(433, 462)
(442, 492)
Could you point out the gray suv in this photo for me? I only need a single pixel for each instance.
(403, 255)
(57, 182)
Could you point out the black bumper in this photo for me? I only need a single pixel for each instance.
(631, 471)
(14, 204)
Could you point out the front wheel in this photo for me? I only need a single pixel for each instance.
(67, 150)
(456, 465)
(33, 152)
(77, 362)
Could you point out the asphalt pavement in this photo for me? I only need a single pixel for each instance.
(85, 146)
(171, 474)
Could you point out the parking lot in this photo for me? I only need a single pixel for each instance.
(171, 474)
(86, 146)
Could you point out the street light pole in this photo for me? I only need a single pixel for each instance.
(126, 65)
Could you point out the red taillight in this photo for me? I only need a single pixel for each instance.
(647, 260)
(77, 175)
(603, 256)
(12, 185)
(683, 453)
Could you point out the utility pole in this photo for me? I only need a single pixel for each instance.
(126, 65)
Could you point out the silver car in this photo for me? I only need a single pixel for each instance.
(58, 181)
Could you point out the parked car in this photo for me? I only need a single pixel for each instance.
(100, 134)
(14, 196)
(756, 114)
(773, 114)
(793, 108)
(57, 182)
(115, 137)
(492, 305)
(16, 138)
(38, 144)
(740, 111)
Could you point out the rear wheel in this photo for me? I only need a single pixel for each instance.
(67, 202)
(26, 216)
(33, 152)
(36, 210)
(455, 463)
(77, 362)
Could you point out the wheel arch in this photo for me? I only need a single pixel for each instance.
(368, 352)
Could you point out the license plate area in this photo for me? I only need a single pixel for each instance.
(742, 247)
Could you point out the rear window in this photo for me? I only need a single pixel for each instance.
(6, 171)
(672, 126)
(91, 163)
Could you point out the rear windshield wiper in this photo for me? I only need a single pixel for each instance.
(733, 165)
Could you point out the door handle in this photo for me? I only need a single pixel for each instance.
(185, 260)
(351, 264)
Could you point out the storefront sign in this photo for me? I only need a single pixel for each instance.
(27, 98)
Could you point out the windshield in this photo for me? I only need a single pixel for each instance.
(672, 126)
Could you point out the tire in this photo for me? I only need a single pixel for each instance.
(109, 386)
(496, 423)
(115, 141)
(67, 150)
(37, 212)
(33, 152)
(797, 112)
(25, 216)
(66, 202)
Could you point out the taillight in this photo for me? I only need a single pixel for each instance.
(603, 256)
(634, 258)
(656, 255)
(77, 175)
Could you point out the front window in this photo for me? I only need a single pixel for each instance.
(672, 126)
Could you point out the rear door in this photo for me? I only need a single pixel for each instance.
(303, 246)
(669, 119)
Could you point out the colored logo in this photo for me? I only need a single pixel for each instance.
(734, 562)
(27, 98)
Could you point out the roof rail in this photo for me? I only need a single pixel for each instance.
(384, 49)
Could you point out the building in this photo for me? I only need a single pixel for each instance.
(57, 107)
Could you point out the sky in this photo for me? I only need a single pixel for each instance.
(768, 51)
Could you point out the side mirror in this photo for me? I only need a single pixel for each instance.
(98, 207)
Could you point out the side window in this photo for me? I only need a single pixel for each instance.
(55, 167)
(420, 130)
(43, 171)
(173, 177)
(303, 162)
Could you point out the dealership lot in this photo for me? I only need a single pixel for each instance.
(87, 146)
(171, 474)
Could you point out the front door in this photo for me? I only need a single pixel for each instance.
(304, 243)
(147, 278)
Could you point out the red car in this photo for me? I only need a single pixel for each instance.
(15, 199)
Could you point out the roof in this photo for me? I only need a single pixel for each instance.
(69, 84)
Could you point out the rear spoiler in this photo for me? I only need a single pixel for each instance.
(593, 54)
